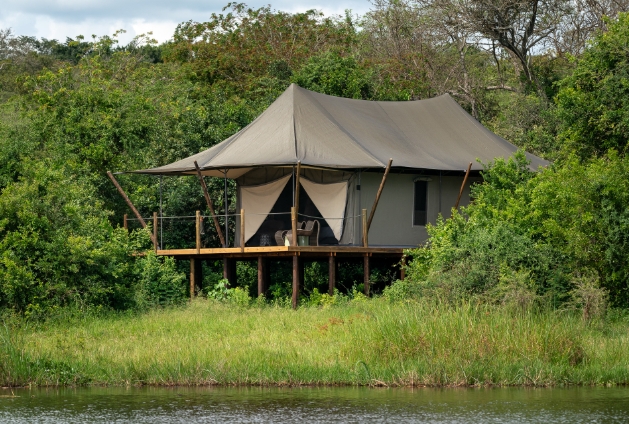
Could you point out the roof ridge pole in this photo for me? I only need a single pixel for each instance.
(210, 205)
(375, 203)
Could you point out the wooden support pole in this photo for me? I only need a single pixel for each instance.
(366, 274)
(365, 230)
(467, 173)
(331, 274)
(296, 282)
(210, 205)
(125, 223)
(193, 277)
(296, 205)
(375, 202)
(403, 268)
(126, 199)
(242, 230)
(155, 231)
(293, 225)
(198, 231)
(262, 274)
(229, 271)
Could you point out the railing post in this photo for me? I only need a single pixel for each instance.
(155, 231)
(242, 230)
(198, 231)
(365, 229)
(293, 224)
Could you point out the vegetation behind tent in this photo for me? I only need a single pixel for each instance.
(73, 110)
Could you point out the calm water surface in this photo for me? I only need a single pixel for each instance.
(196, 405)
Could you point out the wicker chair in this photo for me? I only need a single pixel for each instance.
(310, 229)
(281, 234)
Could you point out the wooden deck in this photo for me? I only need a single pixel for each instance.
(298, 254)
(282, 251)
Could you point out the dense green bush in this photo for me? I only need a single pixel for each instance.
(542, 231)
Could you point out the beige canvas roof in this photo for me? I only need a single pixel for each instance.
(332, 132)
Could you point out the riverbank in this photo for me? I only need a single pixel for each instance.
(371, 342)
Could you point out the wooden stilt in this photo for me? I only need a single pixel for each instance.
(193, 277)
(125, 223)
(467, 174)
(296, 282)
(229, 271)
(403, 268)
(331, 274)
(262, 274)
(366, 274)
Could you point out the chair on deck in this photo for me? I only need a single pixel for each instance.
(310, 229)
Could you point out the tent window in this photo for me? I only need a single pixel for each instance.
(420, 208)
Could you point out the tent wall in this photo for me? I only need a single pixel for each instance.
(393, 222)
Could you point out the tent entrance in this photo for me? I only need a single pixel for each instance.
(279, 219)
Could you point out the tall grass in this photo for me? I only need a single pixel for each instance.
(372, 342)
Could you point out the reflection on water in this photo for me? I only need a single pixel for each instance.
(192, 405)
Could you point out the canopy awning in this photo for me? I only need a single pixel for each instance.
(337, 133)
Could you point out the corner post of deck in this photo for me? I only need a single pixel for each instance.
(262, 276)
(296, 279)
(366, 274)
(332, 267)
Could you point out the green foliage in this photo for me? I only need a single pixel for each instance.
(593, 102)
(333, 74)
(159, 282)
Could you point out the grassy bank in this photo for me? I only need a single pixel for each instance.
(362, 343)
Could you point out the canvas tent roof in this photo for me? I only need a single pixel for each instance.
(332, 132)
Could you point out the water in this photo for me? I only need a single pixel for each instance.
(301, 405)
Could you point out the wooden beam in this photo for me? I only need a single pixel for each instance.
(365, 231)
(242, 230)
(331, 274)
(126, 199)
(155, 231)
(375, 203)
(366, 274)
(293, 225)
(296, 282)
(210, 205)
(467, 173)
(262, 275)
(197, 227)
